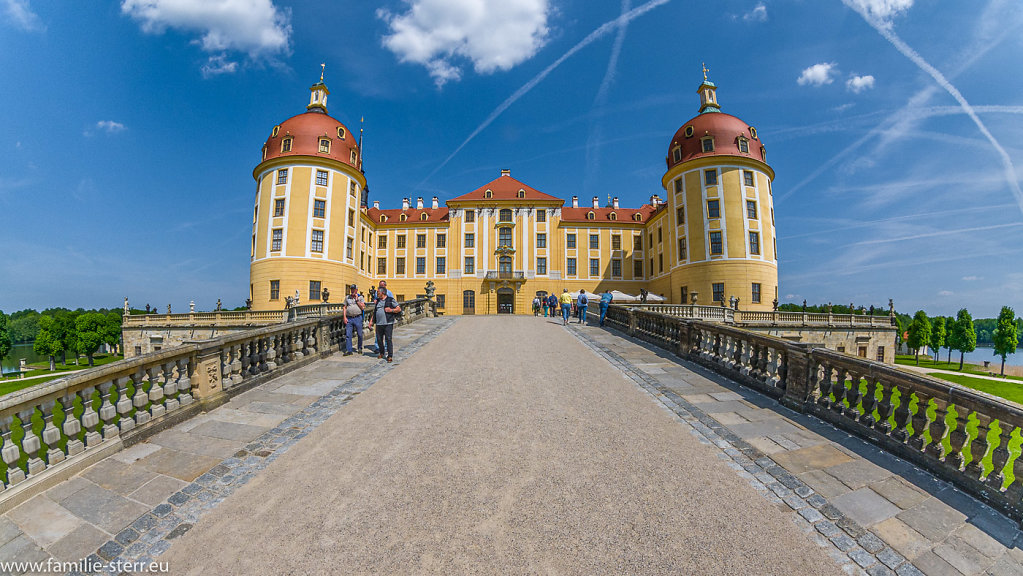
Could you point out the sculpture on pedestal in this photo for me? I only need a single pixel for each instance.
(431, 289)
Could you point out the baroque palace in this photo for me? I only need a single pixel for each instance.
(492, 250)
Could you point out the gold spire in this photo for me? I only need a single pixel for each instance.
(705, 70)
(323, 68)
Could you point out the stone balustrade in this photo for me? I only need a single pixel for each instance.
(961, 435)
(751, 317)
(412, 310)
(224, 317)
(45, 429)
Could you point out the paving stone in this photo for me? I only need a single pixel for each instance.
(144, 522)
(1005, 566)
(127, 536)
(811, 458)
(908, 569)
(902, 538)
(795, 502)
(157, 490)
(117, 476)
(816, 500)
(879, 570)
(899, 492)
(823, 483)
(828, 529)
(858, 473)
(178, 498)
(66, 488)
(962, 556)
(179, 530)
(110, 550)
(22, 549)
(81, 542)
(865, 507)
(830, 512)
(862, 557)
(103, 508)
(181, 465)
(931, 564)
(43, 520)
(871, 543)
(932, 518)
(8, 530)
(843, 542)
(890, 558)
(811, 514)
(978, 539)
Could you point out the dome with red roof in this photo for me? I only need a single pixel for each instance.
(714, 133)
(314, 133)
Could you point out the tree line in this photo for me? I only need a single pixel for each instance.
(960, 334)
(56, 332)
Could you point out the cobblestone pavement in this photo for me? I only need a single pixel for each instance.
(504, 446)
(883, 513)
(133, 503)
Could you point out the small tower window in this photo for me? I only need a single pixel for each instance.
(613, 216)
(590, 215)
(341, 132)
(677, 154)
(403, 217)
(488, 194)
(325, 145)
(743, 145)
(286, 145)
(521, 194)
(383, 218)
(637, 217)
(276, 131)
(689, 132)
(753, 132)
(763, 153)
(423, 216)
(708, 144)
(353, 156)
(264, 152)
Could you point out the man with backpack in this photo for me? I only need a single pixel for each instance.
(583, 303)
(605, 302)
(354, 305)
(384, 316)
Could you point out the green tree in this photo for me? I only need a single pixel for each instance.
(45, 343)
(89, 329)
(1006, 336)
(964, 337)
(919, 333)
(24, 325)
(5, 337)
(64, 332)
(950, 323)
(938, 335)
(112, 330)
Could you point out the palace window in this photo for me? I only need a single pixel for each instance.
(747, 177)
(637, 216)
(680, 216)
(751, 209)
(351, 218)
(488, 194)
(682, 249)
(420, 240)
(590, 215)
(401, 241)
(756, 293)
(613, 216)
(713, 209)
(470, 215)
(651, 240)
(689, 132)
(570, 241)
(616, 241)
(743, 145)
(352, 157)
(541, 265)
(279, 207)
(594, 242)
(570, 266)
(321, 177)
(616, 268)
(541, 215)
(440, 300)
(381, 241)
(316, 245)
(442, 265)
(276, 239)
(470, 265)
(381, 266)
(684, 294)
(541, 240)
(275, 289)
(677, 154)
(286, 145)
(637, 242)
(715, 243)
(505, 215)
(504, 237)
(521, 194)
(504, 265)
(754, 242)
(399, 266)
(324, 146)
(708, 144)
(282, 176)
(349, 245)
(710, 177)
(314, 290)
(470, 240)
(718, 292)
(678, 186)
(660, 263)
(423, 216)
(753, 132)
(637, 269)
(880, 353)
(442, 240)
(352, 188)
(319, 208)
(420, 265)
(651, 266)
(594, 267)
(341, 132)
(660, 235)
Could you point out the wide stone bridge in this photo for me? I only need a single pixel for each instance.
(508, 445)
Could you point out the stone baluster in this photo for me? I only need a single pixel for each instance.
(141, 398)
(747, 358)
(236, 364)
(869, 401)
(825, 385)
(90, 419)
(31, 443)
(51, 434)
(938, 428)
(72, 427)
(775, 367)
(253, 356)
(124, 405)
(903, 416)
(184, 382)
(271, 353)
(957, 439)
(107, 412)
(920, 422)
(979, 447)
(852, 396)
(839, 390)
(884, 408)
(170, 388)
(156, 407)
(10, 452)
(245, 359)
(1014, 491)
(999, 456)
(225, 367)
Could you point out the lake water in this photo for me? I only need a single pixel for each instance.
(987, 353)
(20, 351)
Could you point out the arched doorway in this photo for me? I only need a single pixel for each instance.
(505, 301)
(469, 302)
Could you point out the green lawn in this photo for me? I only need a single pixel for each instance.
(1012, 391)
(928, 362)
(8, 385)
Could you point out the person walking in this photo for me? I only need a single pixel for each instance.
(536, 306)
(584, 303)
(552, 303)
(605, 301)
(354, 305)
(383, 319)
(566, 306)
(543, 305)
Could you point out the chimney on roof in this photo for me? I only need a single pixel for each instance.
(596, 202)
(505, 172)
(436, 202)
(419, 202)
(654, 200)
(575, 201)
(405, 203)
(376, 204)
(614, 203)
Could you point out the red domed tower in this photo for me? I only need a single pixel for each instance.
(721, 210)
(306, 226)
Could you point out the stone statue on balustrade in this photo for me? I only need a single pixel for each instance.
(168, 309)
(127, 310)
(219, 305)
(431, 289)
(775, 304)
(191, 307)
(325, 295)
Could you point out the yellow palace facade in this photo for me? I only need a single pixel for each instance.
(494, 249)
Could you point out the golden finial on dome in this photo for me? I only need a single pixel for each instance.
(323, 68)
(705, 70)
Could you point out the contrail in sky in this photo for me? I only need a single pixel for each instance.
(593, 143)
(902, 47)
(600, 32)
(939, 233)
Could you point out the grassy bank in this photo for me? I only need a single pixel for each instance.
(928, 362)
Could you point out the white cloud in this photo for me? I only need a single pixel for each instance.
(757, 14)
(946, 293)
(20, 14)
(493, 35)
(818, 74)
(257, 28)
(972, 278)
(882, 9)
(857, 84)
(110, 127)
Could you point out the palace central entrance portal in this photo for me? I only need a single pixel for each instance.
(505, 301)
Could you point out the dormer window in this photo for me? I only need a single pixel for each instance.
(689, 132)
(341, 132)
(423, 216)
(277, 130)
(353, 156)
(264, 152)
(743, 145)
(753, 132)
(403, 217)
(286, 145)
(590, 215)
(677, 154)
(383, 218)
(505, 215)
(763, 153)
(613, 216)
(521, 194)
(708, 144)
(488, 194)
(324, 145)
(637, 216)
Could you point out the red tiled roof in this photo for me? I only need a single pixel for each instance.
(506, 188)
(433, 216)
(305, 130)
(569, 214)
(724, 128)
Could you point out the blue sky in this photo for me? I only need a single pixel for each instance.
(131, 127)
